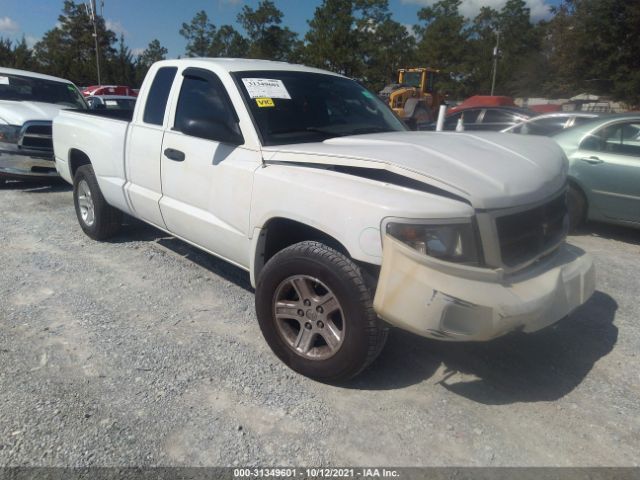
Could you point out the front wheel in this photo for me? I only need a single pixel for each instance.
(316, 312)
(97, 218)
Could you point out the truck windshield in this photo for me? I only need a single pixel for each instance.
(28, 89)
(300, 107)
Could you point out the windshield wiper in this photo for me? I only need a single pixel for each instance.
(363, 131)
(308, 129)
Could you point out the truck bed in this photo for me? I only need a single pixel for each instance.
(101, 135)
(126, 115)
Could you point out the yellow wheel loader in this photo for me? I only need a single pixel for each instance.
(414, 98)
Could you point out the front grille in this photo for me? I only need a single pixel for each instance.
(523, 236)
(37, 136)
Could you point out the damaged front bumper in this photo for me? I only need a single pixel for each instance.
(454, 302)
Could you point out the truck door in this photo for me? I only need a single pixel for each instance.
(144, 150)
(206, 184)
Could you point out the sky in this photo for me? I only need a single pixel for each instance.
(143, 20)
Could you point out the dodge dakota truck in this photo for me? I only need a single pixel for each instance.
(346, 221)
(28, 103)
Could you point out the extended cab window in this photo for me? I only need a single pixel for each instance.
(158, 95)
(203, 98)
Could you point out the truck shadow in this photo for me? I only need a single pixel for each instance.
(47, 185)
(542, 366)
(135, 230)
(610, 232)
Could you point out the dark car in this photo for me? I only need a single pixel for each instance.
(484, 118)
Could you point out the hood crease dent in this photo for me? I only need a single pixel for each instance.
(490, 170)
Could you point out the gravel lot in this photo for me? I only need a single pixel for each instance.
(143, 351)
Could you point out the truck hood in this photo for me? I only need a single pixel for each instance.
(16, 113)
(489, 170)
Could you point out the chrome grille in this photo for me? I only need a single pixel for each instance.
(36, 135)
(525, 235)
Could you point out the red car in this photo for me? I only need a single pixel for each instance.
(121, 90)
(483, 101)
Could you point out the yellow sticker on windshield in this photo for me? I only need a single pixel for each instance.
(265, 102)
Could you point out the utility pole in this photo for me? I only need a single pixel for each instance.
(496, 52)
(94, 14)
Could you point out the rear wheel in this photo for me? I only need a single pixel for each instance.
(316, 312)
(577, 207)
(97, 218)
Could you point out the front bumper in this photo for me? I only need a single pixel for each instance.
(15, 164)
(452, 302)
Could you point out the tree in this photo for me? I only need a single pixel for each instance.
(122, 69)
(23, 56)
(16, 56)
(593, 47)
(483, 34)
(68, 50)
(6, 52)
(390, 48)
(153, 53)
(204, 39)
(443, 44)
(520, 57)
(358, 38)
(227, 42)
(331, 42)
(199, 34)
(267, 39)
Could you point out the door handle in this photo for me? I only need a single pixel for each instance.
(175, 155)
(592, 160)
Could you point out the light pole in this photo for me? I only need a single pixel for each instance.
(95, 36)
(496, 52)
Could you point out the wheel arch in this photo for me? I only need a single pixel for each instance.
(577, 185)
(77, 158)
(278, 233)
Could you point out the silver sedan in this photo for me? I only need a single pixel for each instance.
(604, 169)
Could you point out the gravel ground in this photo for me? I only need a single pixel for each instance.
(143, 351)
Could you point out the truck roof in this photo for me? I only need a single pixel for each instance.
(242, 65)
(25, 73)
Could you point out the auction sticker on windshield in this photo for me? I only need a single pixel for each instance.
(266, 88)
(4, 80)
(265, 102)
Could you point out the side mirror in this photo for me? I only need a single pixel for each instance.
(222, 132)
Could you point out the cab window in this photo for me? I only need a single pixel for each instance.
(158, 94)
(203, 97)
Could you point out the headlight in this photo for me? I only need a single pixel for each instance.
(454, 242)
(9, 133)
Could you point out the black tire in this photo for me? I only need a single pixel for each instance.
(107, 220)
(364, 334)
(577, 207)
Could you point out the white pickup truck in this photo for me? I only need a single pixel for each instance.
(345, 221)
(28, 103)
